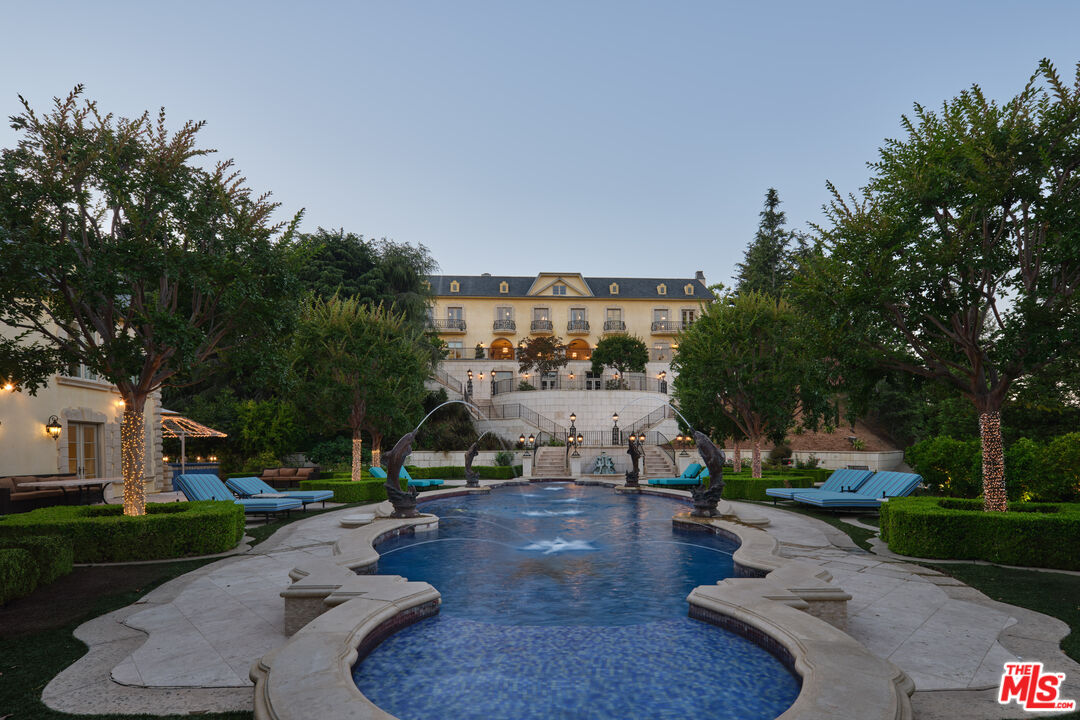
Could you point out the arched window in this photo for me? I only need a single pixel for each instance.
(613, 288)
(504, 287)
(661, 289)
(689, 289)
(454, 286)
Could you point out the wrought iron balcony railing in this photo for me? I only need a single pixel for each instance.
(542, 326)
(504, 325)
(614, 326)
(447, 324)
(666, 326)
(577, 326)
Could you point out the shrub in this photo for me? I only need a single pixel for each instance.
(18, 573)
(331, 452)
(780, 452)
(1024, 468)
(102, 533)
(949, 466)
(504, 458)
(347, 491)
(1029, 534)
(524, 386)
(810, 463)
(52, 554)
(748, 488)
(1060, 479)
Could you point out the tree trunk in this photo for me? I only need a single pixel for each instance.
(357, 465)
(376, 449)
(993, 462)
(755, 463)
(133, 454)
(736, 459)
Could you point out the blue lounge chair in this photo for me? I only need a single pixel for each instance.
(690, 476)
(245, 487)
(840, 481)
(378, 472)
(209, 487)
(871, 494)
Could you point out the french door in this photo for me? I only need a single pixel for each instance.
(84, 449)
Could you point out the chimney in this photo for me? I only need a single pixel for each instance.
(700, 276)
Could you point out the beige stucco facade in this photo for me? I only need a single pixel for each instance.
(579, 310)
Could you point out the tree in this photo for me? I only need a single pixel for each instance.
(766, 265)
(122, 254)
(393, 274)
(960, 262)
(545, 354)
(361, 368)
(745, 366)
(625, 353)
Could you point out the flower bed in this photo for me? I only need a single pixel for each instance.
(1029, 534)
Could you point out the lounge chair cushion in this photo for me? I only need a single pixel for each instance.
(196, 486)
(881, 486)
(286, 472)
(255, 486)
(840, 479)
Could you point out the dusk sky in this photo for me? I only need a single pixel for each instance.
(608, 138)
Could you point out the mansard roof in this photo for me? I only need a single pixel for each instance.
(519, 286)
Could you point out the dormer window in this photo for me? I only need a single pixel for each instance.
(454, 286)
(689, 289)
(613, 288)
(504, 287)
(558, 289)
(661, 289)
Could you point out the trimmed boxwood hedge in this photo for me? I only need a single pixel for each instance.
(53, 554)
(18, 573)
(102, 533)
(347, 491)
(744, 487)
(1029, 534)
(457, 472)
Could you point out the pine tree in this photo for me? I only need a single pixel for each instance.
(766, 265)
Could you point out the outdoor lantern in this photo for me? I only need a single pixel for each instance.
(580, 439)
(481, 377)
(469, 373)
(53, 428)
(522, 439)
(10, 387)
(532, 439)
(493, 374)
(614, 417)
(573, 418)
(571, 374)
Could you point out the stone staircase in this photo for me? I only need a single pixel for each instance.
(550, 462)
(658, 463)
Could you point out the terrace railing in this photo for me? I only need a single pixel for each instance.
(446, 324)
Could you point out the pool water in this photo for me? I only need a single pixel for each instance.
(564, 601)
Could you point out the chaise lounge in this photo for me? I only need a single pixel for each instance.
(209, 487)
(246, 487)
(878, 489)
(378, 472)
(692, 475)
(840, 481)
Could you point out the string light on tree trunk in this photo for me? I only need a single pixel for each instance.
(993, 463)
(132, 452)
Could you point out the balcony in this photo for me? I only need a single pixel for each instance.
(447, 325)
(577, 327)
(504, 327)
(542, 326)
(614, 326)
(666, 327)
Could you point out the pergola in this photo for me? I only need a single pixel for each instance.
(175, 425)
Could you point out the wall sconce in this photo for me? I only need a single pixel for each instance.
(53, 427)
(9, 386)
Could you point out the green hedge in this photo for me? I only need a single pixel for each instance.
(457, 472)
(1030, 534)
(53, 554)
(18, 573)
(347, 491)
(744, 487)
(102, 533)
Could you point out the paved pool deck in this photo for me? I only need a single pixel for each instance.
(187, 646)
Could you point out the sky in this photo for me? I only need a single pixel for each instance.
(608, 138)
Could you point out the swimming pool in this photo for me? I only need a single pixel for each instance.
(564, 601)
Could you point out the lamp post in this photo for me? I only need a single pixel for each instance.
(662, 377)
(573, 436)
(468, 383)
(615, 429)
(493, 382)
(682, 441)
